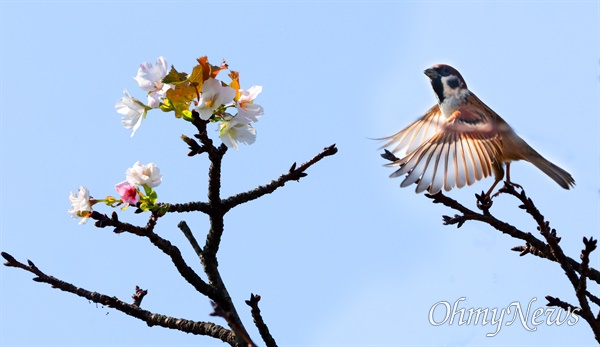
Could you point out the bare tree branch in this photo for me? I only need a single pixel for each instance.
(231, 320)
(549, 250)
(468, 214)
(213, 239)
(188, 326)
(215, 289)
(196, 206)
(164, 245)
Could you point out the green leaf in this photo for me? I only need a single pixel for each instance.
(111, 201)
(151, 196)
(187, 115)
(166, 106)
(175, 77)
(144, 206)
(148, 190)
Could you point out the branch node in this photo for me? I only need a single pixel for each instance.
(331, 150)
(457, 219)
(254, 299)
(138, 296)
(524, 250)
(194, 147)
(590, 245)
(552, 301)
(292, 168)
(484, 203)
(217, 311)
(102, 220)
(10, 259)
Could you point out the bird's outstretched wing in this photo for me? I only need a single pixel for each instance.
(463, 151)
(410, 138)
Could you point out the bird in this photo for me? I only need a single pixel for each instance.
(459, 141)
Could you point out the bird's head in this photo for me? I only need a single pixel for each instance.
(448, 85)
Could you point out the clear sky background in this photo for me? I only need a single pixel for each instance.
(345, 256)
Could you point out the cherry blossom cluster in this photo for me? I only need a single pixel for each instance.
(198, 96)
(200, 91)
(139, 177)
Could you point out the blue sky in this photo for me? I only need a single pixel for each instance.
(345, 257)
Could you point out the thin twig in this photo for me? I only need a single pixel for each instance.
(294, 174)
(190, 236)
(552, 301)
(259, 322)
(196, 206)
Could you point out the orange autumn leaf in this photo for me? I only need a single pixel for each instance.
(208, 70)
(197, 78)
(181, 96)
(235, 83)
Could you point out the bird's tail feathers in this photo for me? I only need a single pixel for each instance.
(560, 176)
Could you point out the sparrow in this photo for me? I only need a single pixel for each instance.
(460, 141)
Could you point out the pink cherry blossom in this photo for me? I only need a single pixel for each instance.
(128, 193)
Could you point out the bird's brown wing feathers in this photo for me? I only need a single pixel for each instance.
(463, 151)
(410, 138)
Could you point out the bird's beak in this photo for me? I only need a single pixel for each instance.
(431, 73)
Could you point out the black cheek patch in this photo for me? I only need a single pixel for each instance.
(438, 88)
(453, 83)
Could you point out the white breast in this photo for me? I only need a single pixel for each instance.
(452, 100)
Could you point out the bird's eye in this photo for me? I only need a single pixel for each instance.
(445, 71)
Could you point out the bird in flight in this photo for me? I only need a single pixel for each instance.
(460, 141)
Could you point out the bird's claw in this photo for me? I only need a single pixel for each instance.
(508, 188)
(515, 185)
(484, 202)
